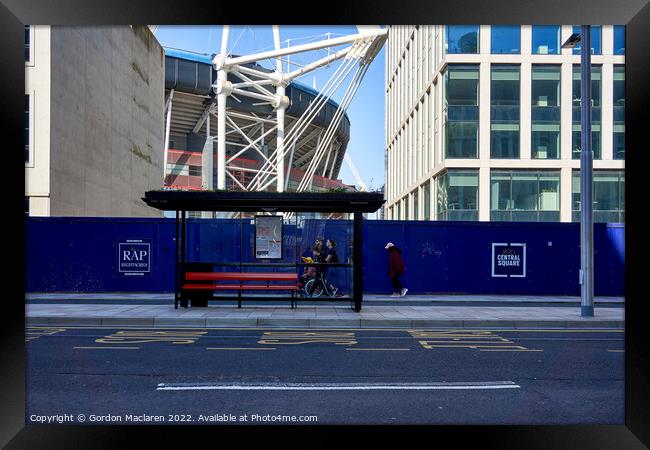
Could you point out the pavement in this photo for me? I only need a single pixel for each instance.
(432, 311)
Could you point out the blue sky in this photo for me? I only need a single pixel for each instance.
(366, 112)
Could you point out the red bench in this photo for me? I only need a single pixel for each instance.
(210, 281)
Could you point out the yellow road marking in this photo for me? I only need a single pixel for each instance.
(143, 337)
(239, 348)
(464, 339)
(309, 337)
(107, 348)
(35, 332)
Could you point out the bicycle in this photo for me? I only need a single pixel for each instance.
(318, 287)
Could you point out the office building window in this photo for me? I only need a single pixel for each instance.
(525, 196)
(595, 40)
(460, 115)
(27, 141)
(406, 207)
(504, 111)
(545, 115)
(416, 206)
(546, 39)
(27, 206)
(619, 112)
(608, 195)
(457, 195)
(619, 40)
(426, 198)
(505, 39)
(461, 39)
(596, 92)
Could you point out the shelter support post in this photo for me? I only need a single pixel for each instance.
(176, 274)
(184, 300)
(357, 260)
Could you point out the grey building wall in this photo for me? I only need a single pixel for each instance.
(107, 120)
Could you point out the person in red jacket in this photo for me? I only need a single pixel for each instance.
(395, 269)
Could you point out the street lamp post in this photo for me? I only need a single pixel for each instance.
(586, 173)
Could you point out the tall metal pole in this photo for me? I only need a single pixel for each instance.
(586, 178)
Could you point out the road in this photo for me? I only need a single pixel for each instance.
(345, 376)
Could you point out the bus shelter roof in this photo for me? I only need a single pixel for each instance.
(241, 201)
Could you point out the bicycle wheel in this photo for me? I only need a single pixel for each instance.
(313, 288)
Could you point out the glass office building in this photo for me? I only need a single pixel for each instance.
(483, 123)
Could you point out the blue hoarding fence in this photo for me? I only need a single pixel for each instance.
(137, 254)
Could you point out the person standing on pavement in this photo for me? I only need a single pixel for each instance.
(395, 269)
(332, 258)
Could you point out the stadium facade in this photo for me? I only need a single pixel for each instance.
(483, 123)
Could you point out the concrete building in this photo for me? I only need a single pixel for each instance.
(483, 123)
(94, 111)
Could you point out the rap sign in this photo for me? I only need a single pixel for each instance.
(508, 260)
(134, 257)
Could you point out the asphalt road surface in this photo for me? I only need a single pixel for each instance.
(192, 376)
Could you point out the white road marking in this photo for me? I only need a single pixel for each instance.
(106, 348)
(333, 386)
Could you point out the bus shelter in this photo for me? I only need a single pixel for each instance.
(236, 245)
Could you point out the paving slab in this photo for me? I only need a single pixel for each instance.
(128, 321)
(316, 316)
(230, 322)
